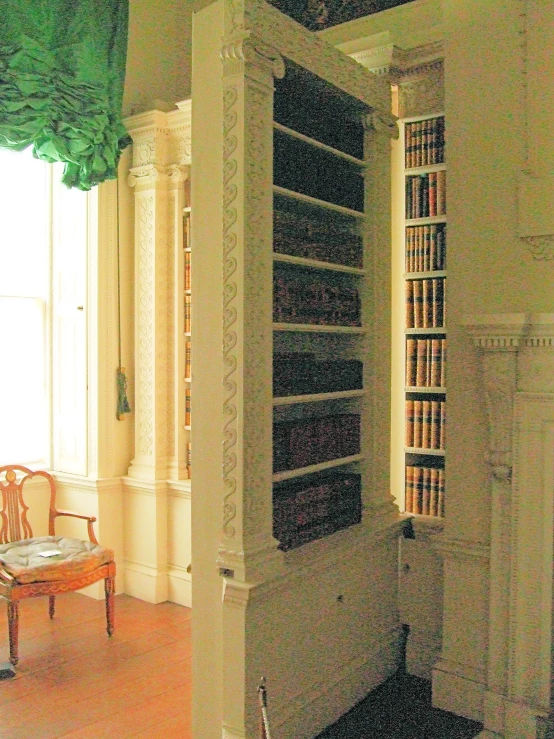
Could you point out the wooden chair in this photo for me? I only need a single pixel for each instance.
(46, 565)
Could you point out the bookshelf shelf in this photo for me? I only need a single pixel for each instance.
(426, 390)
(425, 279)
(318, 329)
(317, 397)
(428, 221)
(424, 451)
(319, 145)
(433, 331)
(321, 467)
(300, 197)
(317, 264)
(425, 169)
(425, 275)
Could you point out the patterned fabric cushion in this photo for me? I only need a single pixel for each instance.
(22, 560)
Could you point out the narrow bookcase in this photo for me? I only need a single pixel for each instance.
(187, 319)
(425, 279)
(319, 324)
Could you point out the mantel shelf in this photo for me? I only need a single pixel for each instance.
(317, 397)
(316, 264)
(292, 195)
(318, 329)
(301, 471)
(314, 142)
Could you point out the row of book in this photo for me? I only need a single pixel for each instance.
(187, 270)
(424, 142)
(426, 195)
(300, 235)
(425, 424)
(303, 374)
(425, 303)
(188, 460)
(425, 362)
(315, 300)
(315, 506)
(426, 248)
(186, 231)
(308, 441)
(188, 314)
(425, 491)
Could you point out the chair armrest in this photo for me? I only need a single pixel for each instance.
(5, 576)
(89, 519)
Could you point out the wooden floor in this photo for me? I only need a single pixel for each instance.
(74, 682)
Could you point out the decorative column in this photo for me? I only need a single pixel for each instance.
(517, 352)
(157, 176)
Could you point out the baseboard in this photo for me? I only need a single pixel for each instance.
(307, 715)
(179, 586)
(146, 583)
(462, 694)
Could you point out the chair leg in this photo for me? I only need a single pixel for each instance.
(13, 628)
(51, 605)
(109, 587)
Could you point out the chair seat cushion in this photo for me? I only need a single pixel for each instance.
(23, 561)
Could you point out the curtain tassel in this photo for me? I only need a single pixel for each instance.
(122, 402)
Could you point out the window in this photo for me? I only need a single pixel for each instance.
(43, 240)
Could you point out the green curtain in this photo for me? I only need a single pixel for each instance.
(62, 69)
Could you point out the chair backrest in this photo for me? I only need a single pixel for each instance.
(14, 524)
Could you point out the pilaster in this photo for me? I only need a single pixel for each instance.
(517, 353)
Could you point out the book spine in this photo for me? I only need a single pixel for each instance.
(437, 302)
(418, 490)
(421, 363)
(418, 424)
(409, 490)
(417, 321)
(426, 424)
(188, 308)
(411, 362)
(187, 407)
(186, 232)
(441, 493)
(434, 441)
(409, 286)
(432, 193)
(435, 372)
(426, 485)
(441, 193)
(189, 460)
(442, 424)
(409, 196)
(409, 425)
(187, 270)
(427, 256)
(443, 363)
(434, 492)
(408, 145)
(188, 353)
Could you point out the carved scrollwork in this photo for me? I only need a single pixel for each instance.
(541, 247)
(256, 54)
(230, 97)
(500, 385)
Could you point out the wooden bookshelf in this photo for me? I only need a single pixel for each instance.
(425, 278)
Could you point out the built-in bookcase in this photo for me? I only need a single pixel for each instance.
(425, 280)
(319, 290)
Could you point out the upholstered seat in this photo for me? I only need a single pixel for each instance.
(46, 565)
(25, 561)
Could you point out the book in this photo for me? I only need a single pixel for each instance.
(187, 407)
(437, 302)
(427, 303)
(409, 489)
(188, 352)
(432, 193)
(441, 493)
(417, 497)
(186, 232)
(409, 423)
(411, 362)
(417, 320)
(188, 307)
(189, 460)
(434, 440)
(409, 288)
(435, 363)
(426, 491)
(441, 193)
(442, 434)
(434, 492)
(443, 363)
(187, 270)
(421, 363)
(426, 424)
(418, 424)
